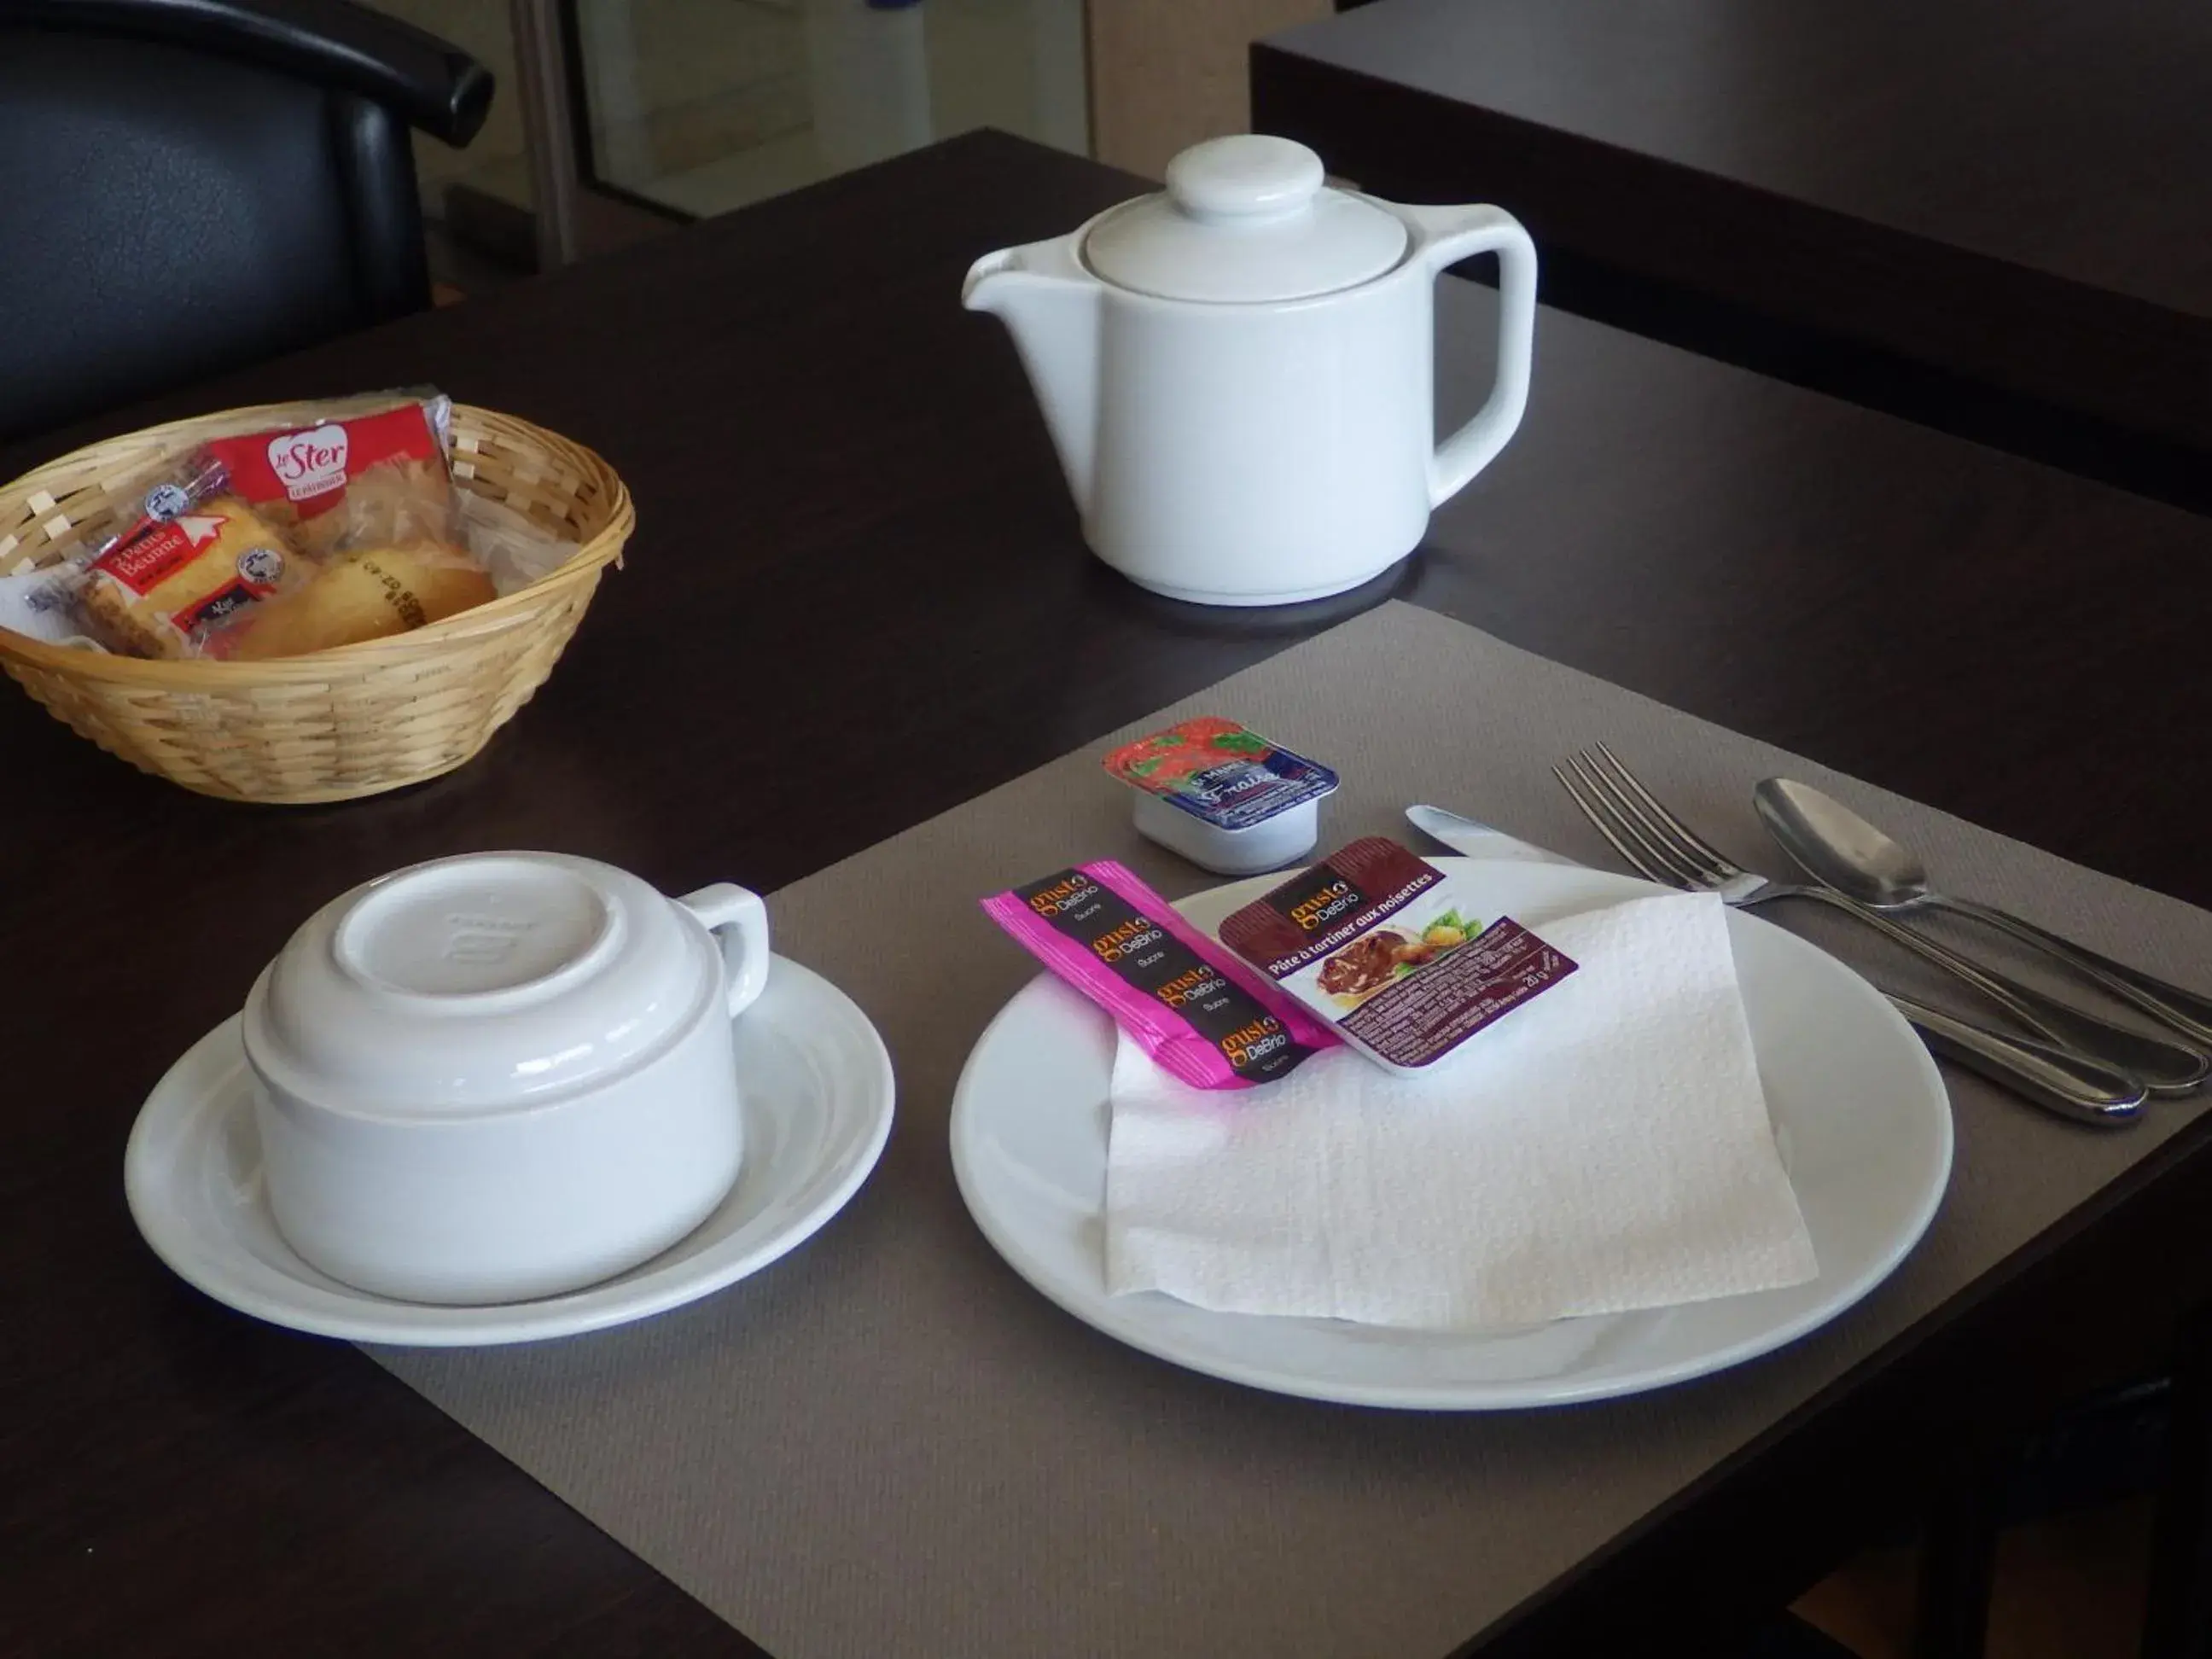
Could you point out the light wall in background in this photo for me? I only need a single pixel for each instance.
(706, 105)
(1167, 73)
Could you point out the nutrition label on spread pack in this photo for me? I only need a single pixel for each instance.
(1458, 994)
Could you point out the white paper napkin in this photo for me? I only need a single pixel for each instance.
(33, 603)
(1606, 1147)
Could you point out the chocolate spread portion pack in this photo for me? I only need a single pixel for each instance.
(1391, 951)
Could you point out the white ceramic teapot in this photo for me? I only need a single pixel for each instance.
(1237, 374)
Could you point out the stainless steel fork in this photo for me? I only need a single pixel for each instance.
(2085, 1085)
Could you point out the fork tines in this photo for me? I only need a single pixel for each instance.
(1650, 838)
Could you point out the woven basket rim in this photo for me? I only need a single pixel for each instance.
(203, 675)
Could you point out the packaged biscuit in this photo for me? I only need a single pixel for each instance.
(365, 595)
(374, 472)
(178, 585)
(379, 480)
(353, 526)
(1206, 1019)
(1392, 952)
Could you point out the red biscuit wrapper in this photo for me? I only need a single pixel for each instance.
(373, 473)
(370, 480)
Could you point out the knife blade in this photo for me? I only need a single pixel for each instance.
(1472, 838)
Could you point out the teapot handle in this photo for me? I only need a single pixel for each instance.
(1449, 236)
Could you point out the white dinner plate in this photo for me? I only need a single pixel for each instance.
(817, 1099)
(1859, 1110)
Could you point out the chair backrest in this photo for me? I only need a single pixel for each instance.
(175, 205)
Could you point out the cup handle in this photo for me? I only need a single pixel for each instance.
(739, 919)
(1449, 236)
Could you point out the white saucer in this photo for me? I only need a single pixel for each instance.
(1859, 1109)
(818, 1104)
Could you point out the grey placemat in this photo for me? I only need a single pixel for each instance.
(889, 1444)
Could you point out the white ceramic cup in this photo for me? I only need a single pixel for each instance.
(501, 1076)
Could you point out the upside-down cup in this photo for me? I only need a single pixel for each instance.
(503, 1076)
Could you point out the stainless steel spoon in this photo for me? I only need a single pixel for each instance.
(2168, 1065)
(1838, 847)
(2061, 1080)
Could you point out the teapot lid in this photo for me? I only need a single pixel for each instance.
(1245, 219)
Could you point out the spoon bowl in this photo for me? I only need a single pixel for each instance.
(1833, 844)
(1840, 850)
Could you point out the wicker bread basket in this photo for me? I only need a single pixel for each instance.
(337, 724)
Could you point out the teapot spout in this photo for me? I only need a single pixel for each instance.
(1050, 304)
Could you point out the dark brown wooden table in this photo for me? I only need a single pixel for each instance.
(857, 584)
(1992, 214)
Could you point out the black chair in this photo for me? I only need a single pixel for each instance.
(2151, 1437)
(191, 186)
